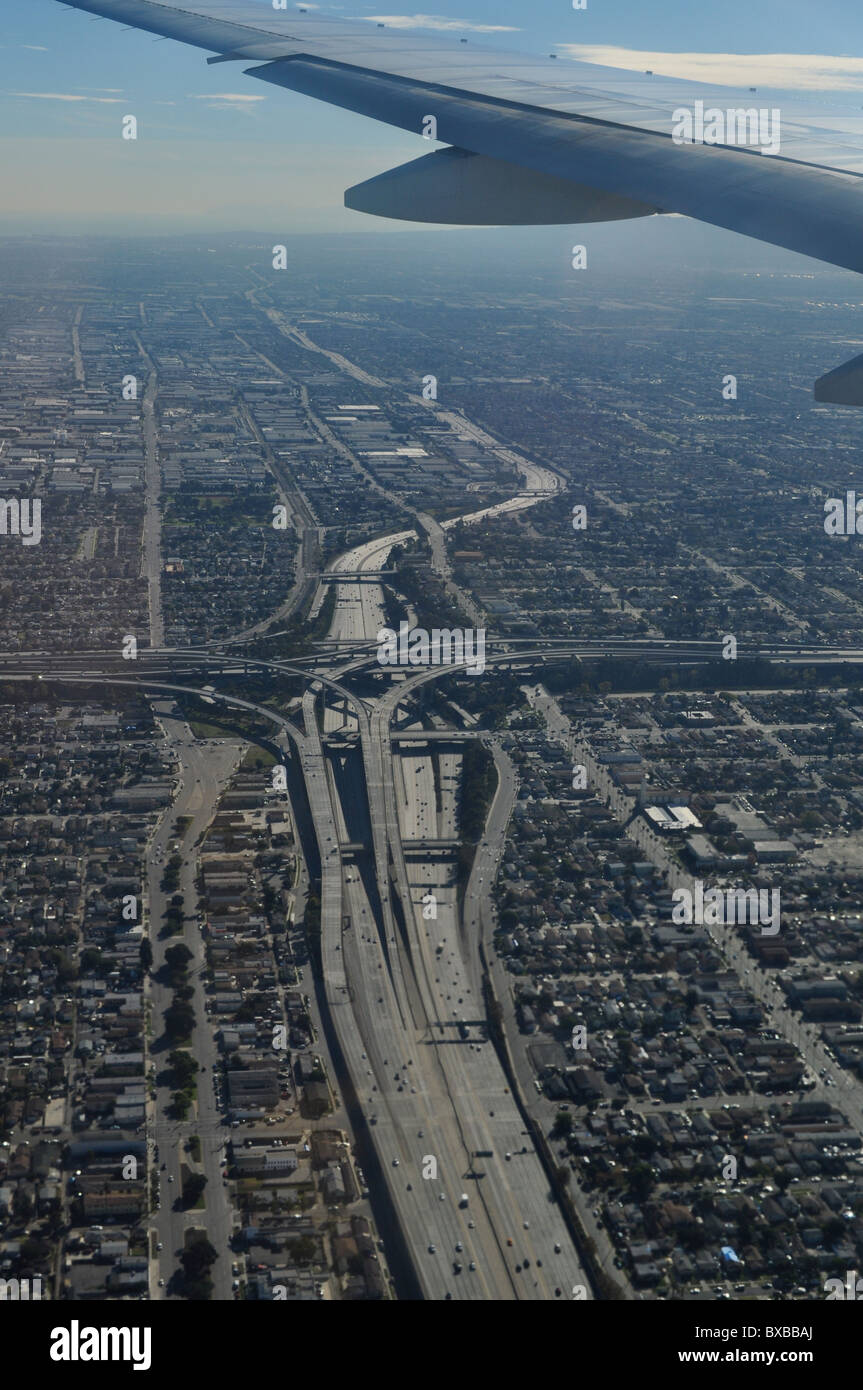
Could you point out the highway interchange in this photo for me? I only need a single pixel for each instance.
(432, 1098)
(432, 1090)
(448, 1151)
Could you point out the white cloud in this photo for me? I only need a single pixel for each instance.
(66, 96)
(800, 71)
(224, 96)
(434, 21)
(241, 103)
(35, 47)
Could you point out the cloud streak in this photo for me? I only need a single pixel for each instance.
(66, 96)
(224, 96)
(436, 21)
(241, 103)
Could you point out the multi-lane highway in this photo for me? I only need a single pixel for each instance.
(403, 986)
(433, 1098)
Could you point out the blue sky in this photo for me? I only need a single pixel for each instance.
(209, 156)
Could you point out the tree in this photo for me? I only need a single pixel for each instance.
(193, 1188)
(644, 1145)
(180, 1103)
(184, 1067)
(641, 1181)
(35, 1251)
(303, 1250)
(67, 969)
(833, 1230)
(177, 957)
(198, 1290)
(199, 1258)
(562, 1124)
(179, 1021)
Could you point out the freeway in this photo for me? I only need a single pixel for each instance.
(538, 478)
(432, 1098)
(515, 1188)
(427, 1093)
(151, 551)
(479, 919)
(409, 982)
(357, 654)
(359, 609)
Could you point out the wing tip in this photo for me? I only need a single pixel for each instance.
(842, 386)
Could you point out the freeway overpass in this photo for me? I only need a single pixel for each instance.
(353, 576)
(151, 661)
(412, 736)
(417, 847)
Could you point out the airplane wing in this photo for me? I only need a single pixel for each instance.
(534, 139)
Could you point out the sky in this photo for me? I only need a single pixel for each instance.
(219, 151)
